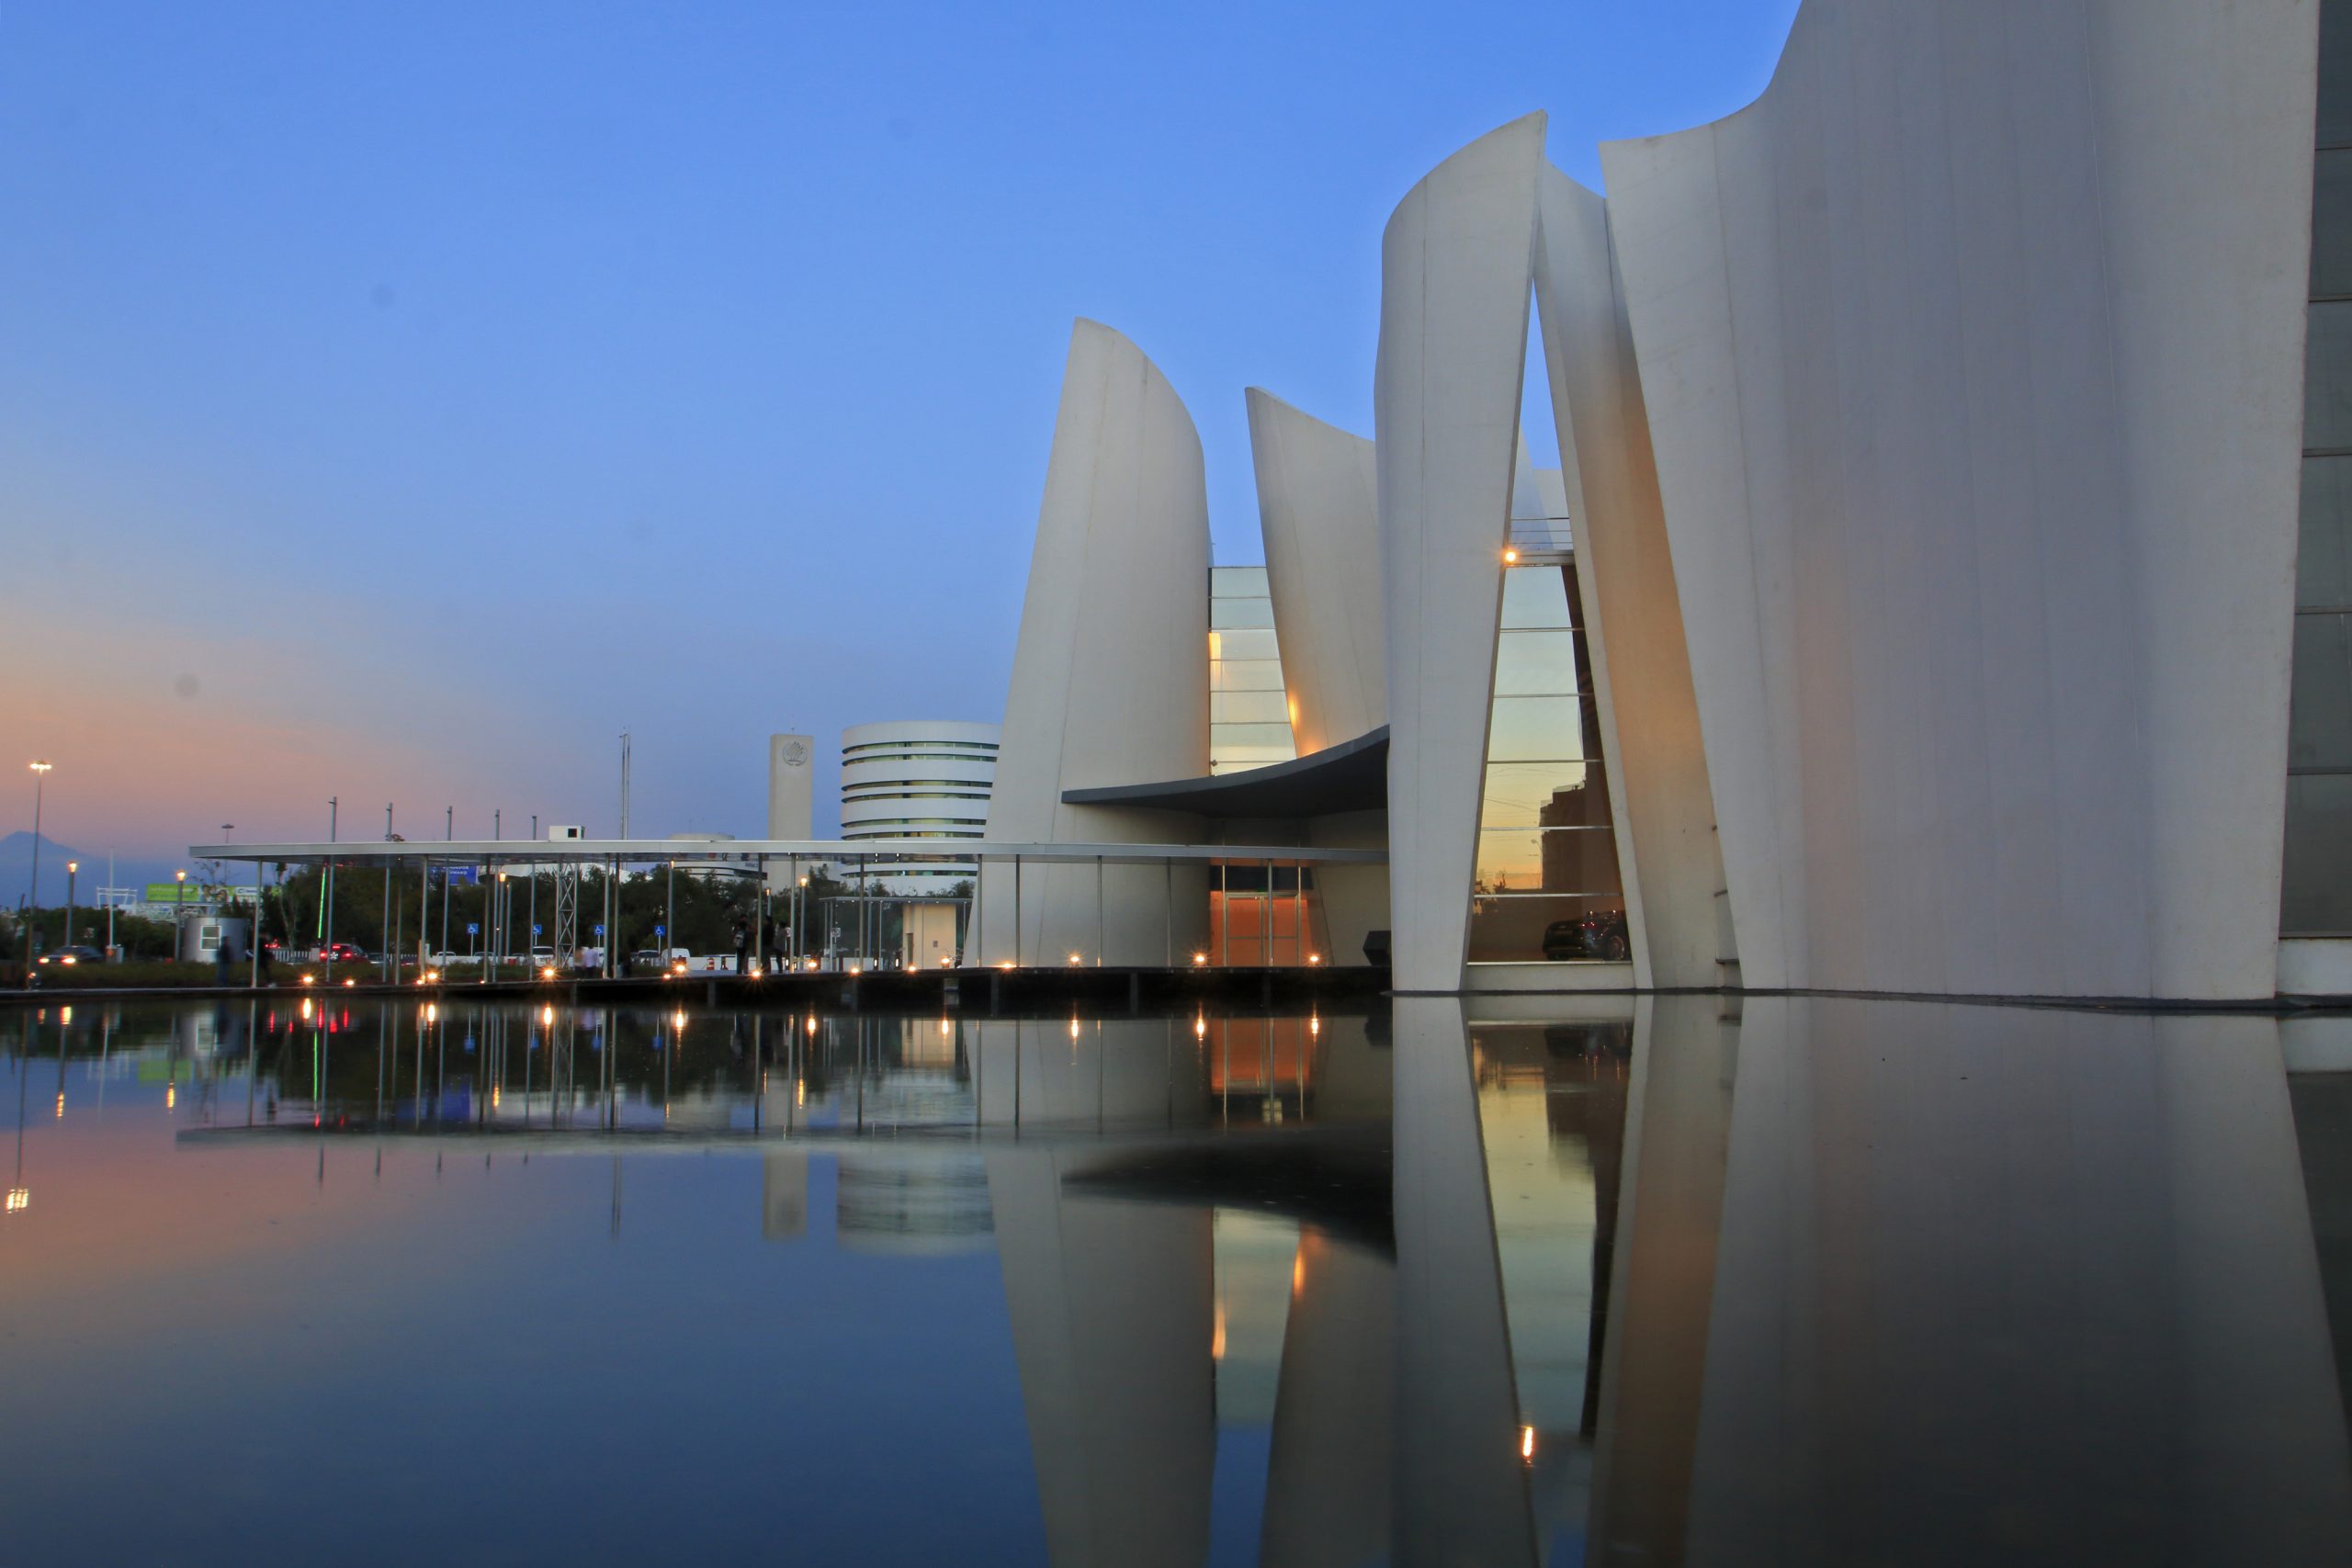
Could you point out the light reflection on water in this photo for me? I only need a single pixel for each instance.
(1520, 1281)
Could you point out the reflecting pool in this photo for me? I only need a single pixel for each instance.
(1536, 1281)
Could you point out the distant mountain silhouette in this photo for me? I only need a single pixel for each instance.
(16, 866)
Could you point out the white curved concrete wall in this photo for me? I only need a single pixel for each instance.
(1454, 267)
(1632, 617)
(1972, 357)
(1107, 677)
(1318, 509)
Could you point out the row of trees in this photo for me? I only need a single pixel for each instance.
(138, 938)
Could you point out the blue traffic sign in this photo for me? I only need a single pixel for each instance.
(660, 930)
(600, 928)
(473, 928)
(536, 930)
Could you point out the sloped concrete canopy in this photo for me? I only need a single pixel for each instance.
(1353, 776)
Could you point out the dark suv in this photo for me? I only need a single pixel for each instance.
(1601, 934)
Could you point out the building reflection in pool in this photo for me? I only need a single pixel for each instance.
(1650, 1281)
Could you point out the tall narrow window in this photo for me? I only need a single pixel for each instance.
(1249, 709)
(1547, 887)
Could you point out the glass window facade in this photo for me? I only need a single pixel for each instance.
(1248, 705)
(2315, 897)
(1546, 887)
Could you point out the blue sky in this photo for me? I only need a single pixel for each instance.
(397, 403)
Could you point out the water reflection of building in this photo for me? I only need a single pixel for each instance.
(903, 1202)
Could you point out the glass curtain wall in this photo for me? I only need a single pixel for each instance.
(2316, 890)
(1249, 704)
(1547, 887)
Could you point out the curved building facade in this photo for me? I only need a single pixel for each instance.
(925, 779)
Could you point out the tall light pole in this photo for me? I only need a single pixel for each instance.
(179, 914)
(71, 867)
(32, 894)
(326, 912)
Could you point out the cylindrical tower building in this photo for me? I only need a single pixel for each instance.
(921, 779)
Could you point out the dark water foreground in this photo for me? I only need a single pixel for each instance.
(1512, 1283)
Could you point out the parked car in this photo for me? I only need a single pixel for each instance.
(1600, 934)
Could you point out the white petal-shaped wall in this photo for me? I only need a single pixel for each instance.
(1108, 683)
(1972, 358)
(1454, 268)
(1632, 617)
(1319, 507)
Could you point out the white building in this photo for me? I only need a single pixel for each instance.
(1914, 611)
(926, 779)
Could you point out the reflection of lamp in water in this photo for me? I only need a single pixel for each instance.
(1314, 1023)
(1201, 1027)
(547, 1018)
(306, 1002)
(1527, 1445)
(1073, 1026)
(812, 1023)
(945, 1029)
(677, 1023)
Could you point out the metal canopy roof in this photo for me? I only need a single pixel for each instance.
(745, 851)
(1350, 776)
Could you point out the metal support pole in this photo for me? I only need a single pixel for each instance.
(1224, 912)
(326, 907)
(424, 903)
(1169, 868)
(1102, 921)
(1298, 872)
(384, 936)
(1016, 964)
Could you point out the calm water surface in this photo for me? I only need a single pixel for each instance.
(1521, 1282)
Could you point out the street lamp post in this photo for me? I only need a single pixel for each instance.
(326, 912)
(32, 894)
(71, 867)
(179, 914)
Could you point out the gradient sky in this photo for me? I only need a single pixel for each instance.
(399, 401)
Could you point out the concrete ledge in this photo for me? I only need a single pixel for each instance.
(1585, 976)
(2315, 967)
